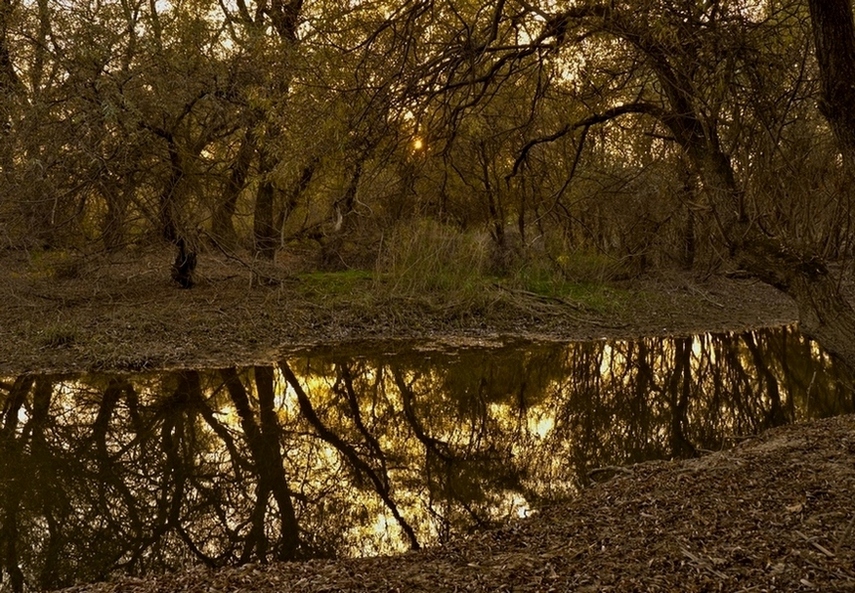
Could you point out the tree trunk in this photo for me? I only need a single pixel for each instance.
(222, 224)
(343, 219)
(824, 313)
(116, 197)
(834, 40)
(285, 18)
(266, 239)
(169, 195)
(293, 195)
(8, 85)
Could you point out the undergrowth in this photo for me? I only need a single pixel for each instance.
(58, 335)
(450, 270)
(581, 280)
(429, 258)
(347, 283)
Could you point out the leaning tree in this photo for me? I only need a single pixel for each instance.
(688, 61)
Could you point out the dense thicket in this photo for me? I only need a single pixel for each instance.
(266, 125)
(635, 132)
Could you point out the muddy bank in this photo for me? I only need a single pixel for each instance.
(123, 312)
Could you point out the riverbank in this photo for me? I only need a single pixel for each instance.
(123, 312)
(774, 513)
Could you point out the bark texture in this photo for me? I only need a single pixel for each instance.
(834, 41)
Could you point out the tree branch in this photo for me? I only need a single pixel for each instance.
(608, 115)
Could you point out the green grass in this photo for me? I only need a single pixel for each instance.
(58, 264)
(58, 335)
(461, 289)
(432, 263)
(430, 258)
(581, 280)
(589, 295)
(336, 284)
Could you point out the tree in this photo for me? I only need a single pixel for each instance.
(684, 61)
(834, 41)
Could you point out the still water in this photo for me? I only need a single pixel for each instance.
(333, 453)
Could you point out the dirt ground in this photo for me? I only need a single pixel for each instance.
(774, 513)
(123, 312)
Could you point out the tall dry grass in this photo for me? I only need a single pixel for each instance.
(427, 257)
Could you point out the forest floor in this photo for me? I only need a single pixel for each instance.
(773, 513)
(123, 312)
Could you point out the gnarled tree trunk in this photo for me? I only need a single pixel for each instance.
(834, 41)
(824, 313)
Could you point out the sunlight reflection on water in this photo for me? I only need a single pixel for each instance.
(330, 454)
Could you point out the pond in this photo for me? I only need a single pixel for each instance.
(347, 452)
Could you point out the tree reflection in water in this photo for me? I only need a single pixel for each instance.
(326, 455)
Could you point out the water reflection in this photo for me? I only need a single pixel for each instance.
(334, 454)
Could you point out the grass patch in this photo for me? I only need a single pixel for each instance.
(336, 284)
(58, 336)
(57, 264)
(448, 272)
(586, 267)
(581, 281)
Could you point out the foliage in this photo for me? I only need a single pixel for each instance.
(427, 138)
